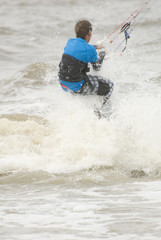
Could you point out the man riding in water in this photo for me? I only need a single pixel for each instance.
(73, 67)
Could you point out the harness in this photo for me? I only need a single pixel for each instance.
(73, 70)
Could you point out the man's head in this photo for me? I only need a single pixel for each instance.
(83, 29)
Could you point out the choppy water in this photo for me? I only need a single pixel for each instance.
(65, 174)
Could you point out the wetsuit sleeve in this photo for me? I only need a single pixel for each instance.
(92, 54)
(97, 65)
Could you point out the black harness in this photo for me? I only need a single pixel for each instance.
(73, 70)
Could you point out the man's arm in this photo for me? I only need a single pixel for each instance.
(97, 65)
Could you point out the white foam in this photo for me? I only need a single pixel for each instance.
(74, 138)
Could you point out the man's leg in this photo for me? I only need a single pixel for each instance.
(101, 86)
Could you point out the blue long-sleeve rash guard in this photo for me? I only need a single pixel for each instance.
(81, 50)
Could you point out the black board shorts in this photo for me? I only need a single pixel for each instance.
(100, 86)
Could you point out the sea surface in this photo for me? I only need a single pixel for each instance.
(65, 174)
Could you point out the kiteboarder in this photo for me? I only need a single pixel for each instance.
(74, 65)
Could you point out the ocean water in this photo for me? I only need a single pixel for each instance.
(64, 173)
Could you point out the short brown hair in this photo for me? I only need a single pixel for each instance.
(82, 28)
